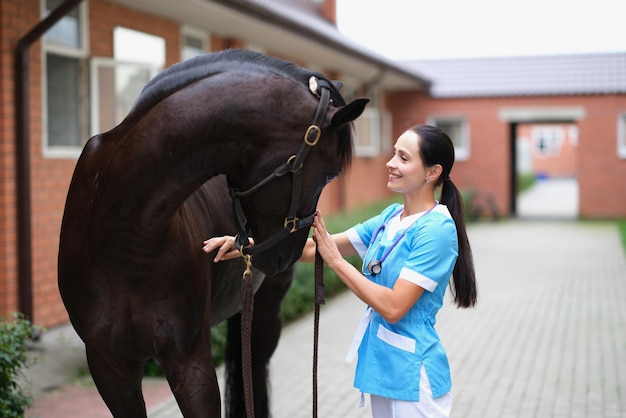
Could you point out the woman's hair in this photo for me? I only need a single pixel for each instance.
(435, 147)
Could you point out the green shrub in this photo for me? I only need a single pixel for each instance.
(14, 335)
(525, 181)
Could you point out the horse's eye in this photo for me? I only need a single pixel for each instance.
(331, 177)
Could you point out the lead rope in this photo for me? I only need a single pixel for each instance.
(319, 300)
(247, 307)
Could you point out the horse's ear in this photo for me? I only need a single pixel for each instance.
(349, 112)
(338, 84)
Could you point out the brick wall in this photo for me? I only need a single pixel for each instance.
(601, 173)
(17, 16)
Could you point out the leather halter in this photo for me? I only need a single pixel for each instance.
(321, 88)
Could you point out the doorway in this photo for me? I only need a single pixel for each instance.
(544, 156)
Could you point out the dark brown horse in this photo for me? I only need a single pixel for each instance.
(146, 194)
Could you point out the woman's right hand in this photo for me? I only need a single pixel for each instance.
(225, 245)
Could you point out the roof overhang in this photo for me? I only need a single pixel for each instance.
(314, 42)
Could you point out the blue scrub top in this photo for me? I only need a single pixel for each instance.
(390, 356)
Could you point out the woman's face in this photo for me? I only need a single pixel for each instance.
(406, 170)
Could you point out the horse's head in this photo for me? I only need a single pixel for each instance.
(276, 198)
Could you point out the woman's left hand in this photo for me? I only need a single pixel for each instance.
(225, 245)
(324, 240)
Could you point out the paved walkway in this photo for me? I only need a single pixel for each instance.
(547, 339)
(553, 198)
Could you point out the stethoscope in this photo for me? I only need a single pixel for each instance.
(376, 266)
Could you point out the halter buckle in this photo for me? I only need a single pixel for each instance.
(312, 135)
(291, 224)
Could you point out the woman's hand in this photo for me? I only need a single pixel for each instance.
(225, 245)
(326, 245)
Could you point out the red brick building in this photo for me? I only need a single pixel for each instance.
(487, 103)
(60, 85)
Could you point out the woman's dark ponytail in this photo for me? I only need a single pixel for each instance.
(437, 148)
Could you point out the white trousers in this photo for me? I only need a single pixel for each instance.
(426, 407)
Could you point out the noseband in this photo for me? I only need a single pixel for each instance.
(321, 88)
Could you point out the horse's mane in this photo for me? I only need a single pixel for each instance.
(180, 75)
(187, 72)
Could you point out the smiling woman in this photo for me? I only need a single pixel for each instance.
(409, 252)
(424, 247)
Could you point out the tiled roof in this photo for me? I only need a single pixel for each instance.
(525, 76)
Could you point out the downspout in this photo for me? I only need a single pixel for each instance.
(22, 154)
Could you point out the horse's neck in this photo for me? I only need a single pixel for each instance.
(195, 134)
(163, 177)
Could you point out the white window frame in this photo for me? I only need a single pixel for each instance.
(368, 130)
(621, 135)
(461, 143)
(150, 63)
(190, 31)
(84, 34)
(96, 63)
(67, 51)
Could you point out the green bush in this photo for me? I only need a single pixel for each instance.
(14, 335)
(525, 181)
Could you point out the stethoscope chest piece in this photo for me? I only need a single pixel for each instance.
(375, 267)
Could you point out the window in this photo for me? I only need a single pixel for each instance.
(139, 47)
(66, 31)
(65, 83)
(367, 133)
(116, 83)
(193, 43)
(621, 135)
(115, 86)
(458, 131)
(548, 140)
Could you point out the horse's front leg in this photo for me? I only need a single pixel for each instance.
(119, 384)
(190, 371)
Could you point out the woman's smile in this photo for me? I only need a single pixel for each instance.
(393, 177)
